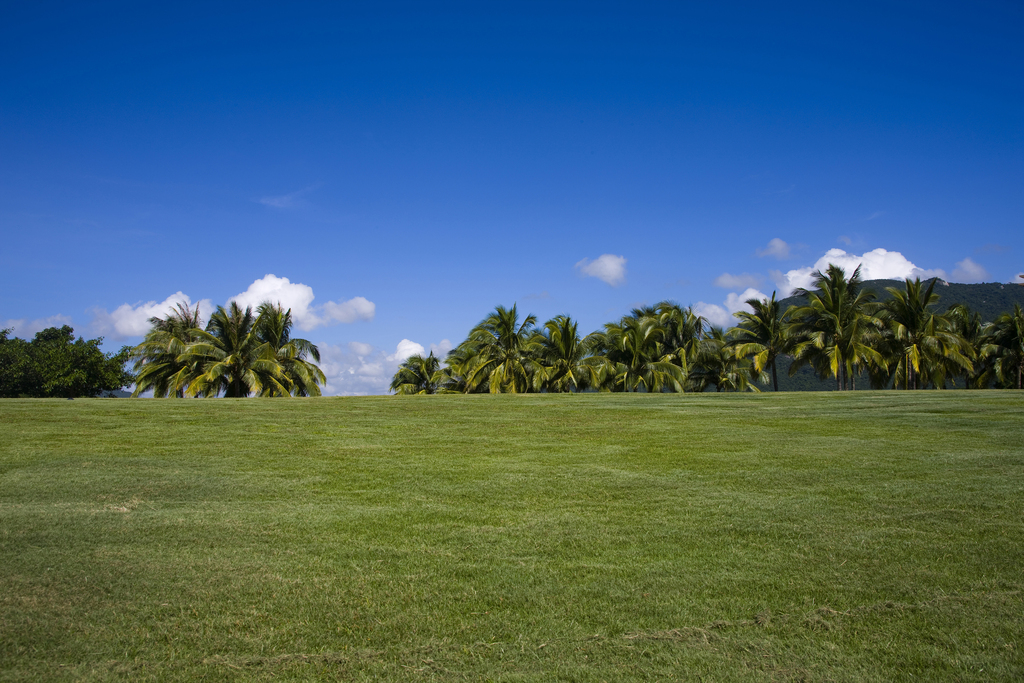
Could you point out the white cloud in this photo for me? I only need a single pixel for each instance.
(776, 248)
(356, 308)
(729, 281)
(354, 372)
(970, 271)
(722, 316)
(714, 314)
(442, 348)
(606, 267)
(405, 349)
(845, 240)
(878, 264)
(299, 298)
(360, 349)
(359, 369)
(129, 320)
(24, 328)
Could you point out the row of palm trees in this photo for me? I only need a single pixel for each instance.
(239, 353)
(842, 332)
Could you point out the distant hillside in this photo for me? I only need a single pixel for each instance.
(989, 299)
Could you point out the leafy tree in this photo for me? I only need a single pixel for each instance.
(17, 370)
(419, 375)
(1005, 344)
(836, 331)
(56, 365)
(562, 361)
(762, 335)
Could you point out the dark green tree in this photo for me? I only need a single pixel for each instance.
(56, 365)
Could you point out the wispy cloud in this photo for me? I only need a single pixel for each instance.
(741, 281)
(24, 328)
(992, 249)
(776, 248)
(876, 214)
(286, 201)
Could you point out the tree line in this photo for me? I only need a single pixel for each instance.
(842, 332)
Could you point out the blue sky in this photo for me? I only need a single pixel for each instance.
(413, 165)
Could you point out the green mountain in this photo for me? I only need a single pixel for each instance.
(989, 299)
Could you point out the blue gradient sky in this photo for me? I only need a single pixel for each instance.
(439, 159)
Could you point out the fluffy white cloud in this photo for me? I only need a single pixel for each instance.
(299, 298)
(776, 248)
(129, 320)
(24, 328)
(359, 369)
(729, 281)
(606, 267)
(878, 264)
(970, 271)
(722, 316)
(407, 348)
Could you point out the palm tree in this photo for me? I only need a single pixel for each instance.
(498, 351)
(684, 330)
(835, 332)
(158, 359)
(762, 335)
(637, 357)
(968, 325)
(418, 375)
(564, 362)
(924, 342)
(274, 328)
(1005, 343)
(718, 364)
(233, 359)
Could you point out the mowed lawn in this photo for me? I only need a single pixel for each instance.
(811, 536)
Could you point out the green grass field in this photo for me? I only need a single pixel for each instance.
(867, 536)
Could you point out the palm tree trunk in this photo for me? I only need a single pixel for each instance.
(775, 376)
